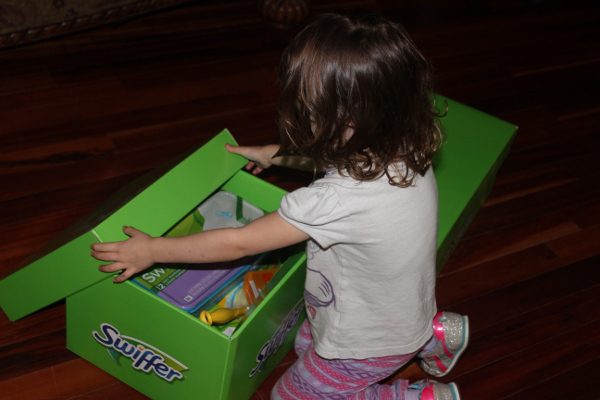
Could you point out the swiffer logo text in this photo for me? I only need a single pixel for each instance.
(143, 356)
(269, 348)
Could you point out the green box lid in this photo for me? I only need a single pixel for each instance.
(68, 266)
(474, 147)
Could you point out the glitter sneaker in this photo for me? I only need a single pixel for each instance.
(451, 332)
(432, 390)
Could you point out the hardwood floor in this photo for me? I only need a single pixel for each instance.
(82, 115)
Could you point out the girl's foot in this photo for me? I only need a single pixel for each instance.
(451, 332)
(432, 390)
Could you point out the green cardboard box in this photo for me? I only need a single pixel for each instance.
(167, 353)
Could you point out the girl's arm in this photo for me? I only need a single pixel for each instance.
(261, 158)
(141, 251)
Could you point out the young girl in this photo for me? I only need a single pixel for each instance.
(356, 103)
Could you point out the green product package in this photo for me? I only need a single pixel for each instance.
(190, 286)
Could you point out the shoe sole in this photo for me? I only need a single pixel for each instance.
(454, 389)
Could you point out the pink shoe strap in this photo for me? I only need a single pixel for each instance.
(427, 393)
(438, 332)
(440, 364)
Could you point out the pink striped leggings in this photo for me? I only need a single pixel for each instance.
(312, 377)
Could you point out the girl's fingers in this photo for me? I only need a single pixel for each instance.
(105, 255)
(131, 231)
(253, 153)
(241, 150)
(128, 273)
(104, 247)
(249, 152)
(254, 168)
(114, 267)
(232, 149)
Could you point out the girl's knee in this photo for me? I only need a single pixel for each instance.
(303, 339)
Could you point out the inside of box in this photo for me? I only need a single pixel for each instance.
(221, 295)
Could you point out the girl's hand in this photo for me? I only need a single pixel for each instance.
(261, 157)
(131, 256)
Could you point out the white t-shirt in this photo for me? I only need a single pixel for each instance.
(370, 282)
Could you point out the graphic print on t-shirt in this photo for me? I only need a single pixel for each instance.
(318, 292)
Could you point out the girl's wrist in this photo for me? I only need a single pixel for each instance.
(269, 151)
(154, 249)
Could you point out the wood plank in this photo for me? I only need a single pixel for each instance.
(538, 363)
(463, 284)
(490, 246)
(585, 241)
(521, 297)
(583, 385)
(563, 198)
(540, 322)
(65, 380)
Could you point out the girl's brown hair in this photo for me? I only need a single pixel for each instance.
(359, 75)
